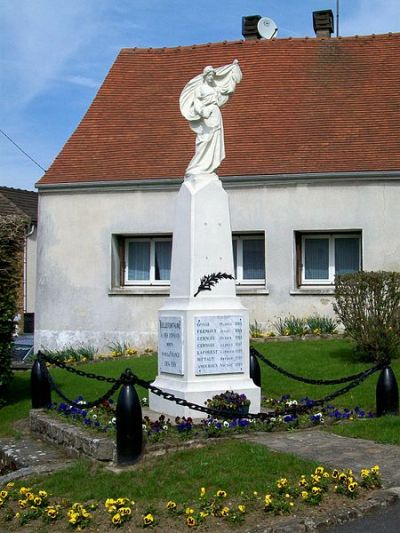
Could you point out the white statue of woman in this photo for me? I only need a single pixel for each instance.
(200, 103)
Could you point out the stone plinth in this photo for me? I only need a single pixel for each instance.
(203, 340)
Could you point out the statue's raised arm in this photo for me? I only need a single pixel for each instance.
(200, 103)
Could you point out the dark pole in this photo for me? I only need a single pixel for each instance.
(129, 423)
(255, 372)
(40, 385)
(387, 393)
(337, 18)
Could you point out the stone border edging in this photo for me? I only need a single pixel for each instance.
(76, 442)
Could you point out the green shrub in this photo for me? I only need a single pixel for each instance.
(368, 304)
(12, 231)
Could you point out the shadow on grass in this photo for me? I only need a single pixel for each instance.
(19, 388)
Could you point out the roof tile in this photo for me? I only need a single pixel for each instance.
(304, 106)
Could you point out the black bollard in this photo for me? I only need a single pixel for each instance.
(40, 385)
(387, 393)
(129, 424)
(255, 372)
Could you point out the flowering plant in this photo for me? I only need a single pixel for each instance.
(228, 401)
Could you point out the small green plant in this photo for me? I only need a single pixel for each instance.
(121, 349)
(321, 324)
(290, 325)
(73, 354)
(255, 330)
(315, 324)
(368, 304)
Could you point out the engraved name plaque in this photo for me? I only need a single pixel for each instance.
(170, 345)
(219, 344)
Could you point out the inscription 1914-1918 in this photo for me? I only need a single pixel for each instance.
(170, 345)
(219, 344)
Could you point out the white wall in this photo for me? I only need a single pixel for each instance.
(74, 303)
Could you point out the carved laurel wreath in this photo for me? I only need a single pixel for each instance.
(208, 282)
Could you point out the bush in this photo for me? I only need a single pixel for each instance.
(12, 231)
(368, 304)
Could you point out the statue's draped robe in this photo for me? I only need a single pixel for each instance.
(200, 104)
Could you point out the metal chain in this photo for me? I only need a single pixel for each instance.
(73, 370)
(128, 377)
(310, 381)
(83, 404)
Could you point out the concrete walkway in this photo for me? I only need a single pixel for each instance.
(336, 451)
(31, 456)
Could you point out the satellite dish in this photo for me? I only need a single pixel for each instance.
(267, 28)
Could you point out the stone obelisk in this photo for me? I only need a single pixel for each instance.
(203, 334)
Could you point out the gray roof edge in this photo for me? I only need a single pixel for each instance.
(239, 181)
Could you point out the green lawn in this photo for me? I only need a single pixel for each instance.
(19, 399)
(233, 466)
(385, 429)
(324, 359)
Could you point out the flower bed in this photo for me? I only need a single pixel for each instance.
(92, 431)
(20, 505)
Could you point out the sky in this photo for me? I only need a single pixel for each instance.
(54, 55)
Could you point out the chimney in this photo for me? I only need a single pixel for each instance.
(249, 27)
(323, 23)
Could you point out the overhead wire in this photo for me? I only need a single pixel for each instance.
(21, 150)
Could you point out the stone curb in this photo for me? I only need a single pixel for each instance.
(379, 500)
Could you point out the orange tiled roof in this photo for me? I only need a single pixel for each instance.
(304, 106)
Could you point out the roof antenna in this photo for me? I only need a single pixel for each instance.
(337, 18)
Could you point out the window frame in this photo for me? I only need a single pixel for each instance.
(331, 236)
(125, 268)
(239, 238)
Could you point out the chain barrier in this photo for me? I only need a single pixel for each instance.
(129, 377)
(81, 404)
(310, 381)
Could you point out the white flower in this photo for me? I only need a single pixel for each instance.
(226, 424)
(113, 420)
(165, 428)
(144, 427)
(94, 417)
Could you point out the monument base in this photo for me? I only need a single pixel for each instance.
(199, 392)
(203, 351)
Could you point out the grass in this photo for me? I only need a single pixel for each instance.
(317, 359)
(385, 429)
(19, 398)
(233, 466)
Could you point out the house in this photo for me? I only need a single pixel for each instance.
(312, 171)
(25, 204)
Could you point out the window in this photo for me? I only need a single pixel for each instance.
(147, 261)
(140, 261)
(322, 256)
(249, 259)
